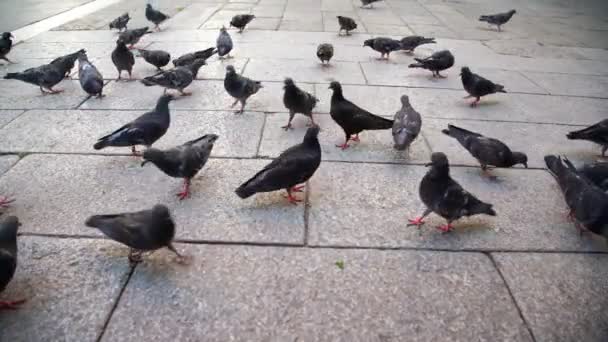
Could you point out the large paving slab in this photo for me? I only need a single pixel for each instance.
(6, 162)
(70, 286)
(7, 116)
(304, 70)
(576, 85)
(20, 95)
(561, 295)
(56, 193)
(277, 294)
(53, 50)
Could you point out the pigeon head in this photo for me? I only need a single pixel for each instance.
(512, 11)
(520, 158)
(335, 86)
(223, 29)
(148, 6)
(166, 98)
(465, 71)
(312, 133)
(289, 82)
(152, 155)
(8, 228)
(121, 43)
(7, 35)
(369, 42)
(82, 57)
(438, 159)
(405, 100)
(208, 140)
(230, 69)
(160, 210)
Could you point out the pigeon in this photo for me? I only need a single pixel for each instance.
(190, 57)
(487, 151)
(478, 86)
(6, 43)
(90, 79)
(45, 77)
(8, 257)
(588, 204)
(325, 52)
(158, 58)
(144, 130)
(351, 118)
(438, 61)
(155, 16)
(123, 58)
(347, 24)
(597, 133)
(498, 19)
(131, 37)
(596, 173)
(120, 23)
(445, 197)
(383, 45)
(141, 231)
(410, 43)
(68, 61)
(368, 2)
(406, 125)
(177, 78)
(183, 161)
(224, 43)
(292, 167)
(241, 20)
(240, 87)
(297, 101)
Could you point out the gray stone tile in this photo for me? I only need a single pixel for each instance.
(336, 5)
(92, 36)
(576, 85)
(410, 19)
(51, 51)
(90, 185)
(309, 71)
(428, 29)
(532, 49)
(560, 109)
(295, 38)
(70, 286)
(7, 116)
(268, 11)
(382, 29)
(359, 207)
(20, 95)
(6, 162)
(193, 16)
(253, 293)
(264, 23)
(301, 25)
(559, 305)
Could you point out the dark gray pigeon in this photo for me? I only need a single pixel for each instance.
(123, 58)
(177, 78)
(6, 43)
(144, 130)
(190, 57)
(141, 231)
(45, 77)
(478, 86)
(597, 133)
(68, 61)
(223, 43)
(292, 167)
(383, 45)
(298, 101)
(90, 79)
(410, 43)
(120, 23)
(406, 125)
(487, 151)
(325, 52)
(347, 24)
(497, 19)
(368, 2)
(240, 87)
(155, 16)
(445, 197)
(588, 204)
(132, 37)
(8, 257)
(241, 20)
(597, 173)
(183, 161)
(437, 62)
(158, 58)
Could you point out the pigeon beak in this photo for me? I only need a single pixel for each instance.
(428, 164)
(144, 163)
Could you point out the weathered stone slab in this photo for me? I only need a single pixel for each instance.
(99, 36)
(304, 70)
(51, 51)
(576, 85)
(6, 162)
(20, 95)
(559, 109)
(7, 116)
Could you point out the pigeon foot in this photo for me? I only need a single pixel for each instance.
(135, 256)
(343, 146)
(445, 228)
(355, 138)
(287, 127)
(419, 221)
(291, 198)
(11, 305)
(5, 201)
(298, 188)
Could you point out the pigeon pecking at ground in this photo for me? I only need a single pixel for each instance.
(90, 79)
(347, 24)
(224, 43)
(142, 231)
(487, 151)
(240, 87)
(368, 2)
(588, 204)
(241, 20)
(498, 19)
(120, 23)
(123, 58)
(190, 57)
(68, 61)
(351, 118)
(155, 16)
(410, 43)
(158, 58)
(145, 130)
(292, 167)
(183, 161)
(325, 52)
(478, 86)
(406, 125)
(45, 77)
(132, 37)
(297, 101)
(6, 43)
(445, 197)
(597, 133)
(383, 45)
(8, 257)
(437, 62)
(177, 78)
(596, 173)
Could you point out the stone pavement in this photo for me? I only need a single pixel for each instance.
(343, 266)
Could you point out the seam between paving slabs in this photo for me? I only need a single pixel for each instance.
(115, 305)
(534, 82)
(259, 143)
(218, 8)
(16, 116)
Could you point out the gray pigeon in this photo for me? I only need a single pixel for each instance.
(347, 24)
(177, 78)
(240, 87)
(120, 23)
(90, 79)
(183, 161)
(68, 61)
(158, 58)
(406, 125)
(123, 58)
(368, 2)
(596, 173)
(45, 77)
(298, 101)
(145, 130)
(6, 43)
(437, 62)
(189, 58)
(383, 45)
(155, 16)
(597, 133)
(141, 231)
(410, 43)
(498, 19)
(478, 86)
(224, 43)
(8, 257)
(132, 37)
(241, 20)
(325, 52)
(445, 197)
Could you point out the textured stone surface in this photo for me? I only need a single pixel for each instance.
(6, 162)
(309, 70)
(559, 84)
(7, 116)
(20, 95)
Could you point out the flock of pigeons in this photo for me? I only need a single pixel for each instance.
(585, 189)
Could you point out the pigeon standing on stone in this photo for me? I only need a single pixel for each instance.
(177, 78)
(351, 118)
(596, 173)
(68, 61)
(383, 45)
(325, 52)
(155, 16)
(298, 101)
(90, 79)
(368, 2)
(487, 151)
(478, 86)
(158, 58)
(497, 19)
(120, 23)
(240, 87)
(6, 43)
(410, 43)
(8, 257)
(347, 24)
(132, 37)
(597, 133)
(145, 130)
(183, 161)
(292, 167)
(190, 57)
(123, 58)
(437, 62)
(142, 231)
(224, 43)
(241, 20)
(445, 197)
(406, 125)
(45, 77)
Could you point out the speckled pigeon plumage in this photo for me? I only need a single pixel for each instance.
(406, 125)
(437, 62)
(190, 57)
(90, 79)
(596, 173)
(158, 58)
(6, 44)
(478, 86)
(297, 100)
(498, 19)
(120, 23)
(123, 58)
(410, 43)
(223, 43)
(177, 78)
(325, 52)
(8, 257)
(347, 24)
(241, 20)
(384, 45)
(597, 133)
(240, 87)
(155, 16)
